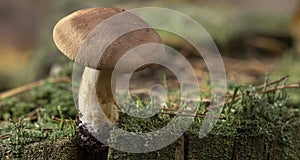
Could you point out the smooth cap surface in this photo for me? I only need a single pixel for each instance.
(98, 37)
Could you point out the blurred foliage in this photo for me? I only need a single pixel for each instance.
(290, 65)
(223, 21)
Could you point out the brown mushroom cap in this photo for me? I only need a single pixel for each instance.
(76, 34)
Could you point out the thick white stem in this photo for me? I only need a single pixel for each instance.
(97, 109)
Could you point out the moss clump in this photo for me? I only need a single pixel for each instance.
(62, 148)
(46, 97)
(24, 132)
(34, 116)
(138, 125)
(256, 123)
(211, 147)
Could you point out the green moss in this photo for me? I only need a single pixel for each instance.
(210, 147)
(258, 125)
(24, 132)
(46, 97)
(31, 121)
(60, 149)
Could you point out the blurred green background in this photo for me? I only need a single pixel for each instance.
(255, 37)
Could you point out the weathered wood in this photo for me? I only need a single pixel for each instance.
(55, 150)
(209, 147)
(213, 146)
(63, 149)
(278, 145)
(250, 147)
(174, 151)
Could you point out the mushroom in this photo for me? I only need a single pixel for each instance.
(96, 38)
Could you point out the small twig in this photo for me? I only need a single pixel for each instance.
(5, 136)
(33, 114)
(190, 115)
(27, 87)
(262, 86)
(47, 129)
(273, 82)
(290, 86)
(139, 91)
(58, 120)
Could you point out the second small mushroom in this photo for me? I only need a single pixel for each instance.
(97, 86)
